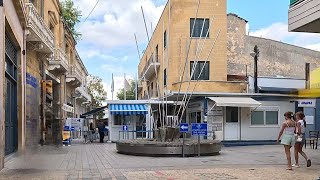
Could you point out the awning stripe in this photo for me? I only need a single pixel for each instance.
(128, 109)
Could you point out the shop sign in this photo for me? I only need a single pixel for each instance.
(67, 108)
(307, 103)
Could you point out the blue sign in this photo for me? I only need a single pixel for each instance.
(199, 129)
(66, 128)
(184, 127)
(31, 80)
(125, 128)
(72, 128)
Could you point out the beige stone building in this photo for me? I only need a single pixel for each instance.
(222, 96)
(163, 62)
(37, 52)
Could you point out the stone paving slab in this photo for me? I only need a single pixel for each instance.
(101, 161)
(268, 173)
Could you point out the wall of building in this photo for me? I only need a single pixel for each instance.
(178, 30)
(11, 26)
(276, 58)
(2, 78)
(33, 98)
(249, 132)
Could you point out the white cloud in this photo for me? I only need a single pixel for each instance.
(279, 32)
(113, 23)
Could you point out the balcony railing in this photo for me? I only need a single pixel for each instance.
(59, 61)
(74, 75)
(39, 27)
(84, 93)
(148, 69)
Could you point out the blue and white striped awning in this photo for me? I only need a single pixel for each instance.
(128, 109)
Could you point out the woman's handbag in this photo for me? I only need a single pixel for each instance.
(299, 138)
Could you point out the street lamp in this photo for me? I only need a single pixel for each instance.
(255, 54)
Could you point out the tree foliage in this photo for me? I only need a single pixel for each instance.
(71, 16)
(97, 92)
(130, 93)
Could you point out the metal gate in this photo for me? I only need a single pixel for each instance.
(11, 118)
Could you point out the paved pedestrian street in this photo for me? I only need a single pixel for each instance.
(101, 161)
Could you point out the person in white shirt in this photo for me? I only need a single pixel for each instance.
(300, 132)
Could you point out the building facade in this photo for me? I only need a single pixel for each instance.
(12, 78)
(44, 77)
(304, 16)
(223, 96)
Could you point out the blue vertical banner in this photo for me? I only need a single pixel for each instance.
(205, 106)
(205, 112)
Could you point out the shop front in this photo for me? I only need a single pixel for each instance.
(129, 120)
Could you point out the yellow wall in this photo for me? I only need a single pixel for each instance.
(178, 39)
(315, 79)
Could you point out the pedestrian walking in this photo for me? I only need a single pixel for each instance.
(301, 125)
(287, 132)
(101, 128)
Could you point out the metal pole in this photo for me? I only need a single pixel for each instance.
(198, 145)
(145, 24)
(184, 136)
(256, 57)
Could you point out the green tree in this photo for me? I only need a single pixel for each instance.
(97, 92)
(130, 93)
(71, 16)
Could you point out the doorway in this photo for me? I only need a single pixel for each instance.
(232, 125)
(11, 118)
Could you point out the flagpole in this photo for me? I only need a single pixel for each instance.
(112, 87)
(124, 87)
(136, 87)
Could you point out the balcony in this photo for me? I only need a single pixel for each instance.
(39, 35)
(58, 64)
(74, 77)
(304, 16)
(84, 95)
(140, 86)
(150, 68)
(153, 94)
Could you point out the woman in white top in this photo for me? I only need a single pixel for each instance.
(288, 139)
(301, 126)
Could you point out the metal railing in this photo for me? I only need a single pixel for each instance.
(152, 59)
(142, 134)
(35, 21)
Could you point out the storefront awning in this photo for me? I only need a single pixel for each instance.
(235, 101)
(128, 109)
(92, 112)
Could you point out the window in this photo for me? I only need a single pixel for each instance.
(157, 53)
(198, 67)
(195, 117)
(232, 114)
(272, 117)
(165, 77)
(122, 120)
(117, 120)
(165, 39)
(197, 24)
(265, 117)
(257, 118)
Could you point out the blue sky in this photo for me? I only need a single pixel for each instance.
(108, 44)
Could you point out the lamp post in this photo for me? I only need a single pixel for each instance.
(255, 55)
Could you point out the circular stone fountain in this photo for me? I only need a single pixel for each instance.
(155, 148)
